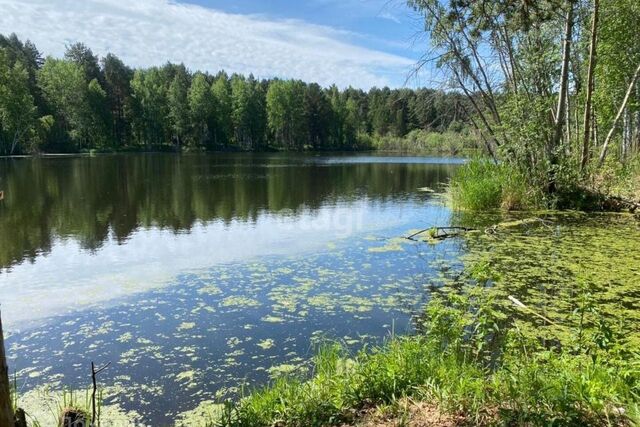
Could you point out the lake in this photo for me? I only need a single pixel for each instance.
(196, 275)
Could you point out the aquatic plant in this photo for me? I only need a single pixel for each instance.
(469, 358)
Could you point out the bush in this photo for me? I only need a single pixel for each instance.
(452, 143)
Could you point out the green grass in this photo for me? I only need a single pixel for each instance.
(469, 359)
(483, 185)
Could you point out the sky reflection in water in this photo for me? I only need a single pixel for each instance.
(196, 274)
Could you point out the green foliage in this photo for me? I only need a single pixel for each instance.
(483, 185)
(247, 112)
(286, 114)
(64, 87)
(453, 143)
(17, 109)
(524, 68)
(202, 112)
(103, 105)
(178, 106)
(221, 90)
(149, 107)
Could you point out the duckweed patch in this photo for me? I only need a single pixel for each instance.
(189, 341)
(266, 344)
(185, 326)
(239, 301)
(552, 261)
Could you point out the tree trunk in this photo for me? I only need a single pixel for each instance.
(6, 409)
(590, 86)
(626, 133)
(614, 126)
(562, 94)
(564, 80)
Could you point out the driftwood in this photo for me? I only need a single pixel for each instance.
(519, 304)
(440, 233)
(494, 229)
(615, 203)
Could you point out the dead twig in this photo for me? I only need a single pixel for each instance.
(94, 373)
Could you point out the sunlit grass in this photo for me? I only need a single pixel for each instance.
(482, 185)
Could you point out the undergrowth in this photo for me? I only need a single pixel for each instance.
(455, 142)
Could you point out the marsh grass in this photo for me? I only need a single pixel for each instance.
(469, 359)
(51, 406)
(483, 185)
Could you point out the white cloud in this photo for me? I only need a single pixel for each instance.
(151, 32)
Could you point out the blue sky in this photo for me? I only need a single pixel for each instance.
(362, 43)
(387, 25)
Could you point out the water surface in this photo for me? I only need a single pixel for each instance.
(196, 274)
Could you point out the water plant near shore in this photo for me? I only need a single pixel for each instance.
(469, 359)
(484, 185)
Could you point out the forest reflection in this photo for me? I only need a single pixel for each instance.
(91, 199)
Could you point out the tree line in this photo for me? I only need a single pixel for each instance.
(82, 102)
(551, 84)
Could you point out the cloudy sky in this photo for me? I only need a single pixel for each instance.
(362, 43)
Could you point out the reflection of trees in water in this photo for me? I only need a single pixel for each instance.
(88, 198)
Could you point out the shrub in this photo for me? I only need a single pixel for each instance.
(453, 143)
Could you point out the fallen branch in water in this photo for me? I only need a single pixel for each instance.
(511, 224)
(616, 203)
(440, 232)
(519, 304)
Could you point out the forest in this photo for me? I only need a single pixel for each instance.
(81, 103)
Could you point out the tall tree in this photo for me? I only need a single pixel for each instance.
(586, 123)
(149, 106)
(285, 112)
(80, 54)
(117, 85)
(17, 109)
(178, 107)
(318, 116)
(201, 110)
(65, 89)
(221, 90)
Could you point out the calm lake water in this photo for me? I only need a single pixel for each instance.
(195, 275)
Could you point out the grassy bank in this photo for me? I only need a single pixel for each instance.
(468, 359)
(485, 185)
